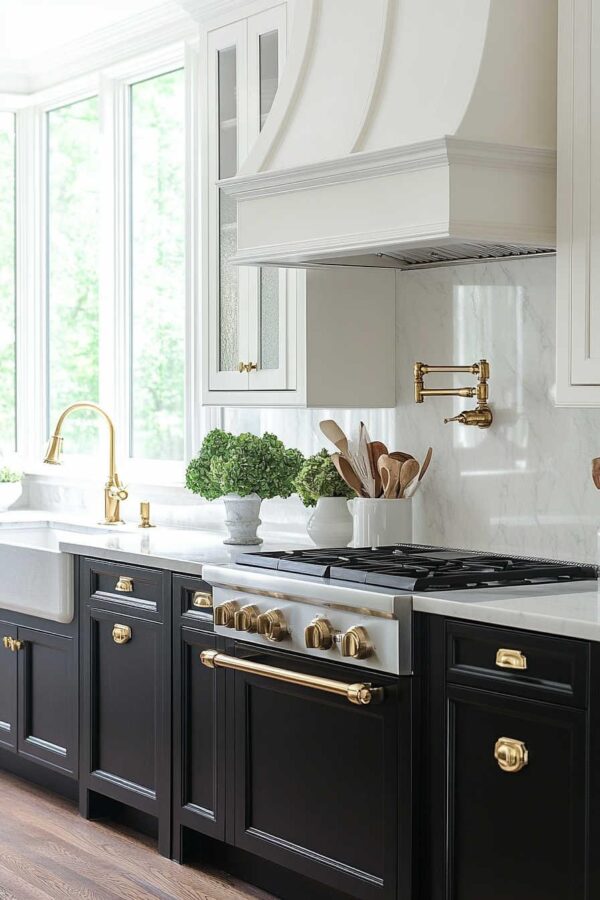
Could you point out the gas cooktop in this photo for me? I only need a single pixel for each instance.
(415, 567)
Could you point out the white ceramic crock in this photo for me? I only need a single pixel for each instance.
(242, 518)
(330, 523)
(377, 522)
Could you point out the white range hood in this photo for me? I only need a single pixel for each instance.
(406, 132)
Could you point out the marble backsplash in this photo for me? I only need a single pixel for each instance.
(522, 486)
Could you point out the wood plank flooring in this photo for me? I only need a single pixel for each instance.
(48, 851)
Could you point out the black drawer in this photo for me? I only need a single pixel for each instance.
(135, 588)
(192, 599)
(517, 662)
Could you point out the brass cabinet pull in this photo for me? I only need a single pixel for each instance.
(511, 659)
(12, 644)
(121, 633)
(360, 694)
(124, 584)
(511, 755)
(202, 600)
(247, 367)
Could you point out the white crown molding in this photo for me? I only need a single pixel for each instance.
(393, 161)
(204, 10)
(166, 24)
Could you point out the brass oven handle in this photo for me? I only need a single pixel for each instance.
(511, 659)
(360, 694)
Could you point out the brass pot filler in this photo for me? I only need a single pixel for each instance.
(482, 414)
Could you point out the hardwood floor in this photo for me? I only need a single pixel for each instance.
(48, 851)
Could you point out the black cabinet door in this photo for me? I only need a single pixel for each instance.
(8, 689)
(199, 737)
(514, 834)
(125, 713)
(317, 778)
(47, 699)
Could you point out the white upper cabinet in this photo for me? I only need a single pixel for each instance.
(277, 337)
(578, 210)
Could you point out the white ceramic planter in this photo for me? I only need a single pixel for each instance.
(377, 522)
(330, 523)
(10, 491)
(242, 518)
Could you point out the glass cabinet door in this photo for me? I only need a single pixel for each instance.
(227, 283)
(269, 302)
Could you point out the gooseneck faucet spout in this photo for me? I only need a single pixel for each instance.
(114, 491)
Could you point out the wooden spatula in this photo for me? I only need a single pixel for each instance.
(334, 433)
(347, 473)
(409, 470)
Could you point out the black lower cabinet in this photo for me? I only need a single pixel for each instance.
(125, 733)
(509, 787)
(198, 740)
(38, 696)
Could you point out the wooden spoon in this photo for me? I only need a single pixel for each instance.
(400, 456)
(334, 433)
(389, 469)
(409, 470)
(347, 473)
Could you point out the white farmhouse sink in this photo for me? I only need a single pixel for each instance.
(35, 577)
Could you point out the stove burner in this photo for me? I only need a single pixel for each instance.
(415, 567)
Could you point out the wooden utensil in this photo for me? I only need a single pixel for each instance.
(596, 471)
(376, 449)
(400, 456)
(426, 461)
(366, 463)
(334, 433)
(409, 470)
(389, 469)
(347, 473)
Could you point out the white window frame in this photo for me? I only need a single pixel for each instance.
(112, 86)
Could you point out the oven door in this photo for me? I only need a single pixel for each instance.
(322, 784)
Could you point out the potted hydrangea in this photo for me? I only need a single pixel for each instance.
(244, 470)
(320, 486)
(10, 487)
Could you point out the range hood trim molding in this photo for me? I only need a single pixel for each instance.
(395, 160)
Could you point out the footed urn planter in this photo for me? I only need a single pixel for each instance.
(242, 518)
(330, 523)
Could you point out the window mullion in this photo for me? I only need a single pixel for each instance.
(31, 243)
(115, 354)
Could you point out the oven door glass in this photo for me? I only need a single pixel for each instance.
(317, 778)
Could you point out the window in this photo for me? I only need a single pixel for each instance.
(73, 266)
(157, 305)
(7, 283)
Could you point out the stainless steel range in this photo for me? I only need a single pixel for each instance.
(314, 651)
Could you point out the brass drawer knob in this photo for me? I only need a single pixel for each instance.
(511, 659)
(511, 755)
(124, 584)
(121, 634)
(202, 600)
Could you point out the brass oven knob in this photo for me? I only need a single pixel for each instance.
(510, 754)
(355, 643)
(272, 625)
(319, 634)
(245, 618)
(225, 613)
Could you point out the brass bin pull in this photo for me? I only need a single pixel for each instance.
(511, 659)
(360, 694)
(511, 755)
(202, 600)
(121, 634)
(124, 584)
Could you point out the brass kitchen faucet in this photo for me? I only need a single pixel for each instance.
(482, 414)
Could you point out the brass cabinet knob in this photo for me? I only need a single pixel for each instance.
(355, 643)
(12, 644)
(124, 584)
(121, 634)
(511, 755)
(319, 634)
(246, 618)
(7, 641)
(511, 659)
(250, 367)
(202, 600)
(225, 613)
(272, 625)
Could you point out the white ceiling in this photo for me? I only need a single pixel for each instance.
(30, 28)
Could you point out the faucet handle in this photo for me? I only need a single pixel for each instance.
(118, 492)
(459, 418)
